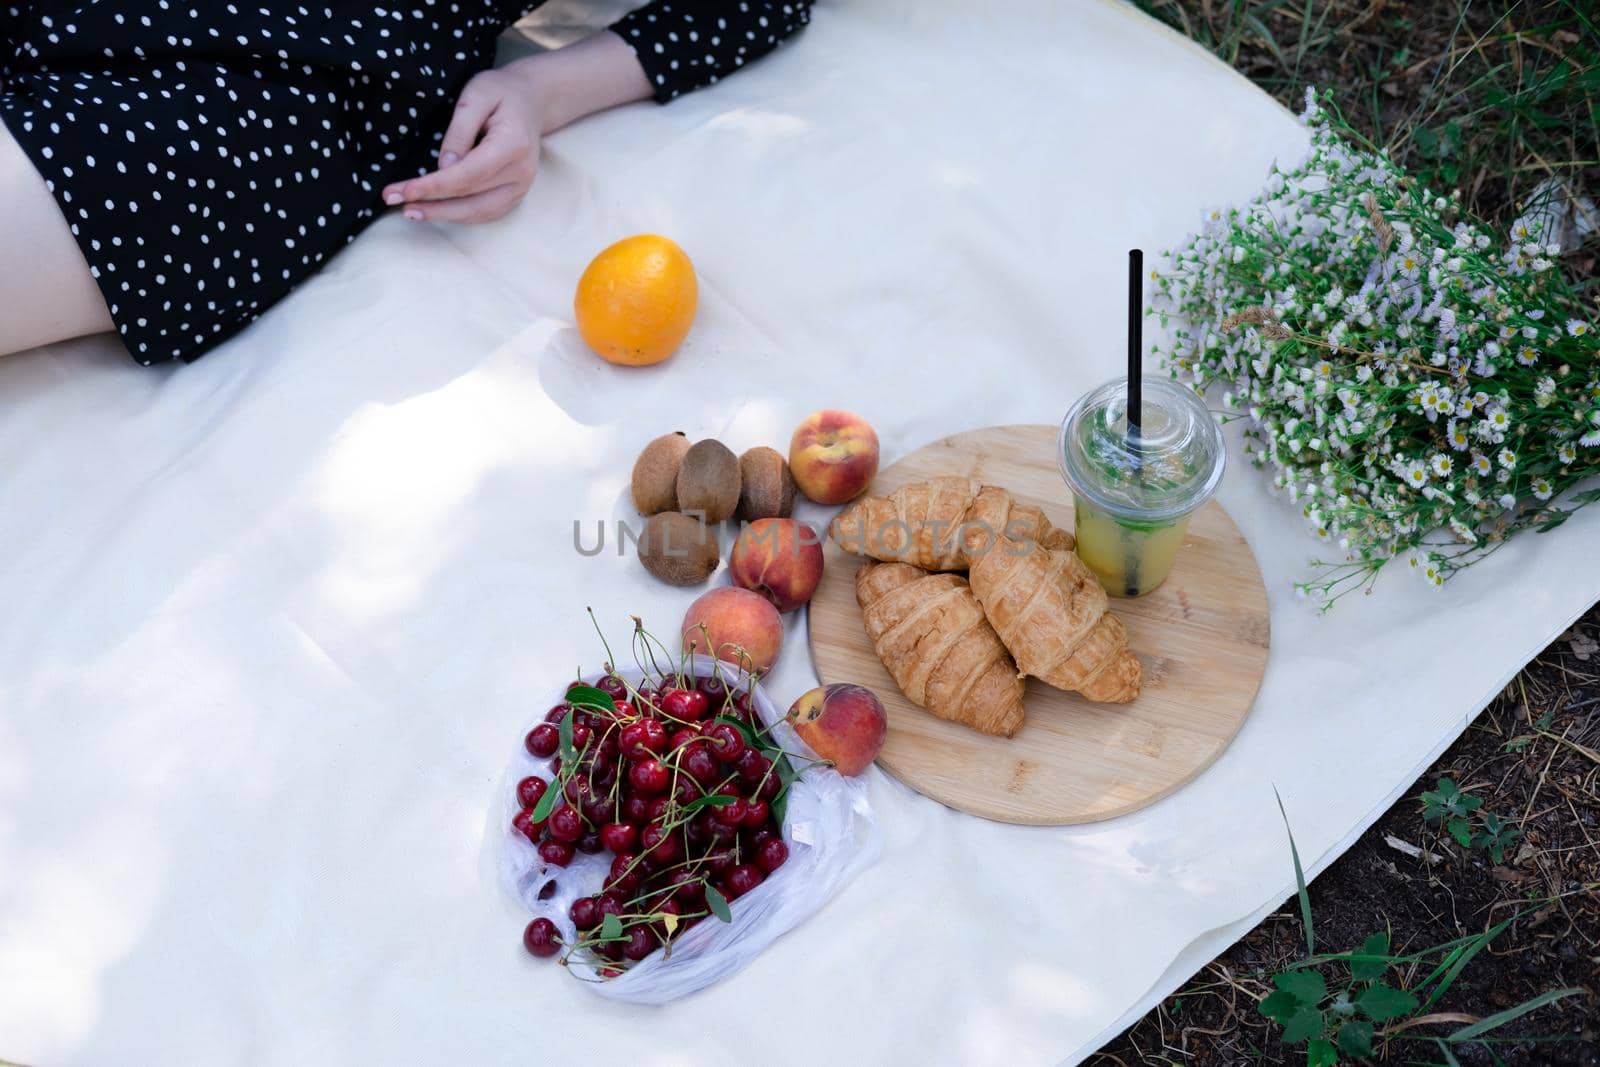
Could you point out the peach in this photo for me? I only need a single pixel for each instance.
(833, 456)
(779, 558)
(734, 625)
(841, 722)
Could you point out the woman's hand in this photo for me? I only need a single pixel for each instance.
(490, 152)
(489, 155)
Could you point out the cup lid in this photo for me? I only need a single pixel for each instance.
(1168, 469)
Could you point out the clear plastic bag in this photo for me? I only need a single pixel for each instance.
(828, 825)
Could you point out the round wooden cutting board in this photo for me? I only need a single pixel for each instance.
(1202, 638)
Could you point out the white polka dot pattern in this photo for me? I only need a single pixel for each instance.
(209, 155)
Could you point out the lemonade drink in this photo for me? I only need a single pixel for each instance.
(1134, 492)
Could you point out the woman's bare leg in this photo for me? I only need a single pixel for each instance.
(46, 293)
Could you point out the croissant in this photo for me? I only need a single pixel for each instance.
(933, 638)
(1051, 613)
(940, 524)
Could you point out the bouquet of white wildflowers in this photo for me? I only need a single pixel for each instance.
(1420, 392)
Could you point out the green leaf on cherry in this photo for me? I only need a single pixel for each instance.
(547, 803)
(587, 696)
(718, 904)
(744, 731)
(568, 753)
(611, 927)
(713, 800)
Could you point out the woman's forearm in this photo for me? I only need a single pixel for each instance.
(590, 75)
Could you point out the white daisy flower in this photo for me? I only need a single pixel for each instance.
(1542, 489)
(1507, 458)
(1415, 473)
(1567, 452)
(1481, 464)
(1441, 465)
(1577, 327)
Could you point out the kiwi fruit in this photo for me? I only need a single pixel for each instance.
(708, 481)
(766, 488)
(655, 473)
(679, 549)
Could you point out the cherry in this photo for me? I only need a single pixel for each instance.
(660, 810)
(624, 877)
(650, 776)
(660, 845)
(565, 823)
(731, 813)
(713, 688)
(556, 714)
(640, 944)
(770, 856)
(610, 904)
(613, 687)
(697, 834)
(543, 740)
(752, 765)
(636, 810)
(718, 831)
(619, 836)
(719, 862)
(701, 765)
(756, 814)
(761, 837)
(688, 889)
(523, 823)
(530, 790)
(642, 738)
(585, 913)
(647, 695)
(744, 704)
(768, 789)
(580, 736)
(590, 842)
(741, 880)
(726, 742)
(596, 809)
(577, 790)
(688, 735)
(687, 790)
(541, 938)
(689, 705)
(557, 853)
(611, 950)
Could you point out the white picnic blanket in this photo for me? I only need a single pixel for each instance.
(272, 622)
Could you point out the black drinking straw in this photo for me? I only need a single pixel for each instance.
(1135, 343)
(1130, 566)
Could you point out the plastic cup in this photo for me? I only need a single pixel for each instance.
(1133, 494)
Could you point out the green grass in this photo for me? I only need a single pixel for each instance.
(1490, 97)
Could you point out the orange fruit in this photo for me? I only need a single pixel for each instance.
(636, 300)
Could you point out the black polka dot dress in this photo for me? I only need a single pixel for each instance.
(209, 155)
